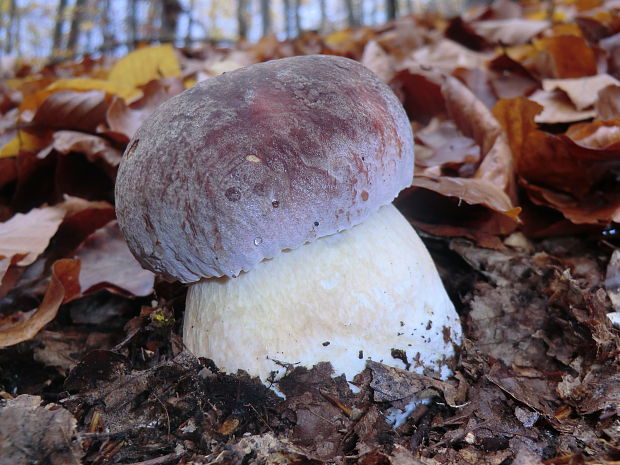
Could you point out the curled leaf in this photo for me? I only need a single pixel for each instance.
(63, 287)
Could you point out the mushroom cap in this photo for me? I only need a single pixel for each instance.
(256, 161)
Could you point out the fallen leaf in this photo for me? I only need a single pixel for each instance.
(420, 93)
(583, 91)
(391, 384)
(378, 61)
(597, 135)
(28, 235)
(32, 433)
(511, 31)
(612, 279)
(538, 393)
(94, 147)
(608, 104)
(25, 142)
(67, 109)
(471, 191)
(569, 56)
(557, 108)
(446, 55)
(552, 161)
(144, 65)
(475, 120)
(126, 119)
(121, 88)
(63, 287)
(106, 262)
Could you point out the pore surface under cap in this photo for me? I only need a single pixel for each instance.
(262, 159)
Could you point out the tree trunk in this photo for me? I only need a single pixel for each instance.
(323, 7)
(190, 24)
(391, 8)
(265, 14)
(60, 19)
(298, 27)
(171, 9)
(286, 4)
(351, 16)
(76, 23)
(106, 23)
(10, 28)
(242, 19)
(132, 23)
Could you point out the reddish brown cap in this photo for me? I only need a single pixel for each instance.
(245, 165)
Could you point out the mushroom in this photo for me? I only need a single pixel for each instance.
(269, 189)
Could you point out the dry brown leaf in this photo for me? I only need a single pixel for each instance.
(475, 120)
(63, 287)
(583, 92)
(557, 108)
(568, 56)
(608, 104)
(378, 61)
(94, 147)
(32, 433)
(597, 135)
(420, 93)
(67, 109)
(28, 235)
(511, 31)
(448, 148)
(106, 262)
(446, 55)
(558, 172)
(126, 119)
(471, 191)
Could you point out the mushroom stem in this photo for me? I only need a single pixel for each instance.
(370, 292)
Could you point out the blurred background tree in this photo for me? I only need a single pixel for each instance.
(68, 28)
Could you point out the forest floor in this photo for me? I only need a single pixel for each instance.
(516, 110)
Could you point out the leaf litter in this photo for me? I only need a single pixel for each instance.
(515, 110)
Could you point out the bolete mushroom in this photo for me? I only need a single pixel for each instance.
(269, 188)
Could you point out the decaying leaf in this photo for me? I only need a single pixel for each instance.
(583, 92)
(126, 119)
(26, 236)
(390, 384)
(63, 287)
(32, 433)
(106, 262)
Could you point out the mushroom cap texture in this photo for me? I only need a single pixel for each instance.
(262, 159)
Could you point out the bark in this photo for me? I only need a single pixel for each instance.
(132, 22)
(190, 24)
(265, 11)
(298, 27)
(106, 23)
(171, 9)
(351, 16)
(10, 28)
(286, 4)
(76, 23)
(60, 17)
(323, 7)
(391, 8)
(242, 19)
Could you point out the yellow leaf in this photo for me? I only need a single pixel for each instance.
(337, 38)
(11, 148)
(144, 65)
(122, 89)
(24, 141)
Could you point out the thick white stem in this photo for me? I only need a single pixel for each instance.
(371, 292)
